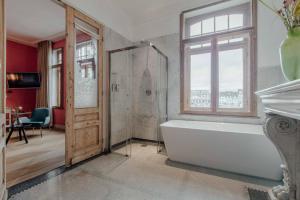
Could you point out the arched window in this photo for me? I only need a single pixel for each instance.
(218, 59)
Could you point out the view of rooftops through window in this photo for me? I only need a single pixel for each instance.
(230, 56)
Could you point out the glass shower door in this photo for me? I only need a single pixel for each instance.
(162, 87)
(121, 100)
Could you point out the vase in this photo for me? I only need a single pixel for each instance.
(290, 55)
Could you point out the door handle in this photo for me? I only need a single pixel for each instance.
(3, 130)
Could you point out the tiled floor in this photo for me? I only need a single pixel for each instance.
(146, 175)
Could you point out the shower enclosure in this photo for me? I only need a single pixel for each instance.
(138, 94)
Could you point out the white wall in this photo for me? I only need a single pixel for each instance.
(166, 21)
(106, 12)
(271, 32)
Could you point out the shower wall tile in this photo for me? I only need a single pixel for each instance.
(112, 40)
(149, 96)
(121, 96)
(144, 97)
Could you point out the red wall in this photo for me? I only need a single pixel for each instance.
(59, 113)
(21, 58)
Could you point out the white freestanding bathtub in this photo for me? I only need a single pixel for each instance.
(239, 148)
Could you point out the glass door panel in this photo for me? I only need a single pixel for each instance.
(86, 71)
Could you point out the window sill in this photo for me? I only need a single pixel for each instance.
(57, 107)
(235, 115)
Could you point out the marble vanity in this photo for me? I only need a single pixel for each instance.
(282, 126)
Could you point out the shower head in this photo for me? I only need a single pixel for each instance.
(145, 42)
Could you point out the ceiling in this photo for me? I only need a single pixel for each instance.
(31, 21)
(141, 11)
(138, 19)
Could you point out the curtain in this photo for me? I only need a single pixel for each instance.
(44, 62)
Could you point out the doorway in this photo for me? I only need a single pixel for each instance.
(73, 80)
(35, 88)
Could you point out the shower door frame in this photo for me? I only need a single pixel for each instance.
(108, 83)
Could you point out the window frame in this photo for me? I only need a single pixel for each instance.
(85, 60)
(233, 10)
(60, 66)
(250, 74)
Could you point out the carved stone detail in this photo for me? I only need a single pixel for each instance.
(284, 133)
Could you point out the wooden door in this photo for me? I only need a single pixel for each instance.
(3, 194)
(84, 87)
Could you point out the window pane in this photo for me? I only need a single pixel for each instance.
(86, 64)
(60, 56)
(206, 45)
(208, 25)
(55, 79)
(57, 56)
(222, 42)
(236, 40)
(222, 23)
(236, 21)
(86, 26)
(227, 41)
(231, 72)
(200, 80)
(199, 45)
(195, 29)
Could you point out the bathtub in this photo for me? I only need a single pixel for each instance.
(238, 148)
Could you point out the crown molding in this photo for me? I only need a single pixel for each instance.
(54, 38)
(21, 41)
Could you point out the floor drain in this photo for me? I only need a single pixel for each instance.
(255, 194)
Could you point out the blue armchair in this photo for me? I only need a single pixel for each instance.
(40, 118)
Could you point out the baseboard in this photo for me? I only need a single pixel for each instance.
(119, 144)
(59, 127)
(5, 195)
(122, 143)
(147, 140)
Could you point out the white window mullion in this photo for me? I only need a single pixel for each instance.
(247, 73)
(214, 76)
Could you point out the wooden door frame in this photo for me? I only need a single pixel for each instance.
(3, 190)
(3, 53)
(71, 12)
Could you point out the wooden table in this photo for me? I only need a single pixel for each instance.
(17, 125)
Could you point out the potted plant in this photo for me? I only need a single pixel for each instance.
(290, 47)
